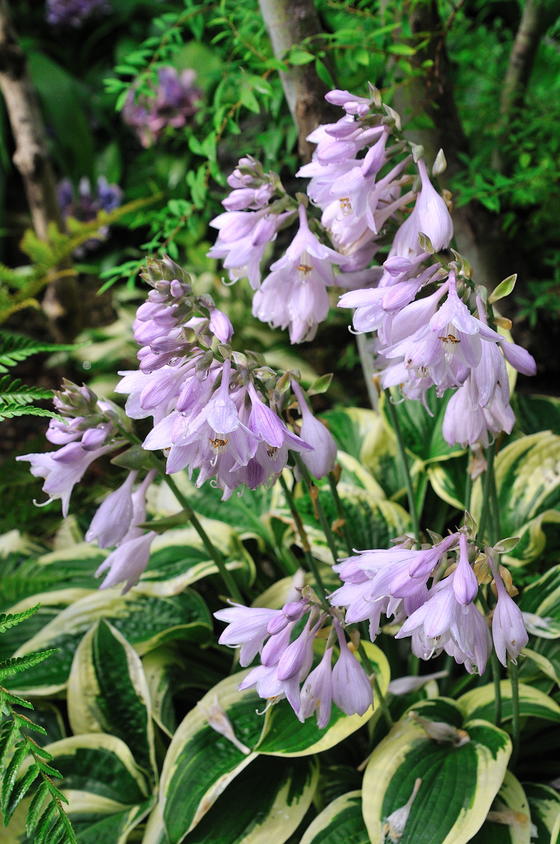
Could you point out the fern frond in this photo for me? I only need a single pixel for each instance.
(16, 347)
(23, 762)
(14, 392)
(16, 664)
(9, 411)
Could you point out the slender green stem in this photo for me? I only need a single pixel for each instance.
(215, 554)
(323, 518)
(514, 680)
(404, 465)
(376, 687)
(468, 491)
(341, 514)
(496, 678)
(495, 505)
(309, 558)
(486, 514)
(366, 361)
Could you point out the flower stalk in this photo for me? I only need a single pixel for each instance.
(404, 466)
(323, 518)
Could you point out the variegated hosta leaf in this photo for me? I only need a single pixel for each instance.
(419, 790)
(107, 793)
(537, 413)
(528, 484)
(162, 669)
(108, 693)
(284, 735)
(179, 559)
(542, 598)
(146, 621)
(264, 804)
(479, 703)
(341, 822)
(544, 803)
(372, 522)
(509, 818)
(201, 761)
(448, 480)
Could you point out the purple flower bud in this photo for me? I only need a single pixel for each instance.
(465, 584)
(297, 654)
(113, 518)
(519, 358)
(351, 688)
(508, 627)
(321, 460)
(317, 692)
(220, 325)
(127, 562)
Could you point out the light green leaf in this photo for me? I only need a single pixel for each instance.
(341, 822)
(479, 703)
(542, 598)
(503, 289)
(108, 693)
(448, 787)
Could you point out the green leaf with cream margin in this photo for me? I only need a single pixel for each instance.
(528, 483)
(266, 802)
(479, 703)
(421, 790)
(341, 821)
(542, 600)
(544, 802)
(107, 793)
(145, 620)
(222, 735)
(108, 693)
(509, 818)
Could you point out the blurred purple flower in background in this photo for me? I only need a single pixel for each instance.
(73, 12)
(84, 205)
(173, 103)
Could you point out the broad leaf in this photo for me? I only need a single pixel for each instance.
(341, 821)
(479, 703)
(448, 787)
(107, 693)
(542, 598)
(509, 819)
(544, 803)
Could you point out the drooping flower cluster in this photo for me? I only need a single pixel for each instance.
(89, 428)
(172, 103)
(432, 326)
(74, 12)
(434, 598)
(84, 205)
(284, 641)
(215, 411)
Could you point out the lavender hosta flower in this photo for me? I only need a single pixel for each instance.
(320, 461)
(351, 688)
(243, 237)
(74, 12)
(63, 469)
(443, 623)
(317, 692)
(247, 628)
(465, 584)
(508, 627)
(174, 102)
(127, 562)
(430, 216)
(294, 294)
(113, 518)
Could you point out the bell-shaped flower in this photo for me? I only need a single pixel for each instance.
(127, 562)
(320, 461)
(220, 325)
(247, 628)
(430, 216)
(351, 688)
(316, 692)
(508, 628)
(113, 518)
(465, 584)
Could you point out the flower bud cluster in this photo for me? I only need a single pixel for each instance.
(284, 640)
(88, 427)
(74, 12)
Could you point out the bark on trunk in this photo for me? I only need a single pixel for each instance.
(61, 302)
(289, 22)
